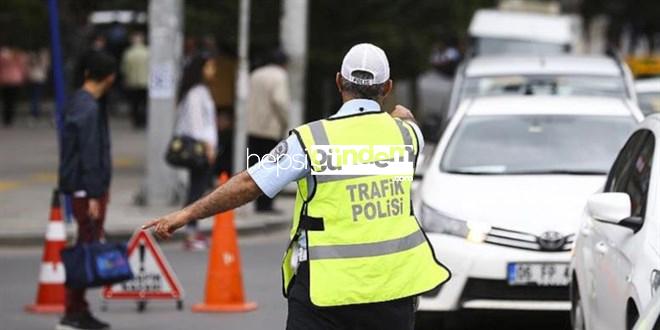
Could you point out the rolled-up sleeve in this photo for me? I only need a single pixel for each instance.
(286, 163)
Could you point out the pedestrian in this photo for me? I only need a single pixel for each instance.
(357, 257)
(38, 66)
(135, 68)
(268, 112)
(197, 119)
(13, 73)
(85, 171)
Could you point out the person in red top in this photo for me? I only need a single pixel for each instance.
(13, 71)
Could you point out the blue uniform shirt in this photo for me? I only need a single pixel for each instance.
(288, 161)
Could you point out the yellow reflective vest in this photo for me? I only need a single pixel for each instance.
(364, 244)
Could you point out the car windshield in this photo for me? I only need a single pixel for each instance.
(649, 102)
(536, 144)
(497, 46)
(544, 85)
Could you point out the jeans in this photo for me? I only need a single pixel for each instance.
(89, 230)
(200, 182)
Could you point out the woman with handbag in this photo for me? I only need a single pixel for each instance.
(197, 122)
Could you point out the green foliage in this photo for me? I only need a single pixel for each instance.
(23, 23)
(220, 19)
(405, 29)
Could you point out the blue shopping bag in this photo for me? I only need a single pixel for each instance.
(96, 264)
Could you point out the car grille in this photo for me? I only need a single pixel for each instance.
(501, 290)
(526, 241)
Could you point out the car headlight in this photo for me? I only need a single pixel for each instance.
(437, 222)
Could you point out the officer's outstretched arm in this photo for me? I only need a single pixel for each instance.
(239, 190)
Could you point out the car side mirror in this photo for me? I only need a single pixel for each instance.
(614, 208)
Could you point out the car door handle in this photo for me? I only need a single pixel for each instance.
(601, 247)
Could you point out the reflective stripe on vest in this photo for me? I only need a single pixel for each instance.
(367, 249)
(318, 132)
(321, 138)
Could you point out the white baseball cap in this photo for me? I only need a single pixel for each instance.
(368, 58)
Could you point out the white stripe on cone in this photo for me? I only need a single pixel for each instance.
(55, 231)
(52, 273)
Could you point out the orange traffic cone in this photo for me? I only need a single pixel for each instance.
(224, 286)
(50, 293)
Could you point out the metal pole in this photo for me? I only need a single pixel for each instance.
(58, 72)
(165, 49)
(242, 87)
(58, 83)
(293, 36)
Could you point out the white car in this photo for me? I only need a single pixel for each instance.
(616, 262)
(501, 198)
(514, 32)
(648, 94)
(577, 75)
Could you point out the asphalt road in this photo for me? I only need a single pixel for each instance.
(260, 255)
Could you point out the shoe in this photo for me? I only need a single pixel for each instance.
(94, 322)
(82, 321)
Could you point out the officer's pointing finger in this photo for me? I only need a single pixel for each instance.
(150, 224)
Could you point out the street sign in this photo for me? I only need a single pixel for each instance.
(154, 278)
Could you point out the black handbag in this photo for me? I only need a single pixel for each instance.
(186, 152)
(89, 265)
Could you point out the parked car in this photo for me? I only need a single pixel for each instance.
(587, 75)
(616, 261)
(502, 195)
(648, 94)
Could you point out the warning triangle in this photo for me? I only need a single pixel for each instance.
(154, 278)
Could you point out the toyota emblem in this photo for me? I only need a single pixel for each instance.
(551, 241)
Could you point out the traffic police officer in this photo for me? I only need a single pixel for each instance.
(357, 257)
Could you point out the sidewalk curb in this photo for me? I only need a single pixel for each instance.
(244, 228)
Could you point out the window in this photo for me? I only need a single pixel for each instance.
(536, 144)
(496, 46)
(565, 84)
(631, 172)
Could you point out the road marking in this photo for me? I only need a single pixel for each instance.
(45, 177)
(8, 185)
(50, 177)
(124, 162)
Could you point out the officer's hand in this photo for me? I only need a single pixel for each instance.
(164, 227)
(402, 113)
(94, 208)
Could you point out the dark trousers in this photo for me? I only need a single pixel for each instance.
(137, 97)
(200, 182)
(36, 91)
(303, 315)
(89, 230)
(9, 95)
(261, 146)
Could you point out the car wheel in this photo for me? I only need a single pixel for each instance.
(577, 309)
(578, 315)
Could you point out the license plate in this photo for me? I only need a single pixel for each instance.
(540, 274)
